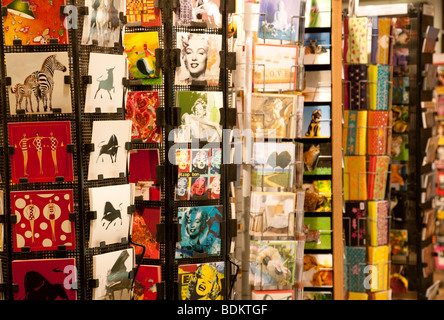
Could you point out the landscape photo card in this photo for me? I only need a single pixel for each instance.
(106, 88)
(113, 217)
(109, 159)
(201, 281)
(198, 13)
(38, 82)
(199, 58)
(43, 220)
(42, 151)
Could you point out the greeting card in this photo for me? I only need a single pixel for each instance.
(398, 242)
(317, 159)
(145, 283)
(318, 233)
(431, 34)
(200, 231)
(45, 279)
(355, 268)
(317, 86)
(377, 177)
(41, 151)
(356, 40)
(318, 270)
(278, 20)
(143, 12)
(43, 220)
(317, 48)
(399, 148)
(112, 221)
(318, 14)
(201, 281)
(354, 132)
(378, 258)
(144, 232)
(111, 270)
(428, 186)
(378, 212)
(106, 88)
(400, 90)
(199, 58)
(400, 118)
(38, 82)
(357, 86)
(110, 155)
(381, 44)
(354, 221)
(34, 22)
(140, 50)
(427, 257)
(200, 116)
(317, 122)
(142, 172)
(140, 108)
(355, 178)
(198, 13)
(102, 25)
(430, 150)
(378, 86)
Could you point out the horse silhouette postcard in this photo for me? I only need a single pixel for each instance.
(43, 220)
(45, 279)
(144, 232)
(113, 218)
(106, 88)
(34, 22)
(140, 108)
(42, 151)
(112, 272)
(102, 25)
(38, 82)
(109, 159)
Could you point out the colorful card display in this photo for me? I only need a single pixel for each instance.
(378, 258)
(355, 223)
(201, 281)
(378, 87)
(377, 177)
(355, 30)
(43, 220)
(355, 178)
(354, 132)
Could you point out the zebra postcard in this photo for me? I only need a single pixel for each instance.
(38, 82)
(106, 88)
(110, 156)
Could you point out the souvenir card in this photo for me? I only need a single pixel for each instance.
(272, 213)
(43, 220)
(106, 88)
(318, 270)
(144, 231)
(111, 270)
(354, 221)
(200, 231)
(145, 284)
(317, 46)
(142, 172)
(42, 151)
(201, 281)
(317, 122)
(200, 116)
(399, 147)
(34, 22)
(275, 67)
(378, 215)
(398, 242)
(318, 233)
(140, 50)
(38, 82)
(113, 217)
(317, 159)
(276, 115)
(266, 257)
(318, 14)
(45, 279)
(199, 174)
(198, 13)
(110, 155)
(355, 268)
(199, 58)
(143, 12)
(272, 295)
(102, 25)
(279, 19)
(140, 108)
(273, 164)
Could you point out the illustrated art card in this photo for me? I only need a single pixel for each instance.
(278, 253)
(142, 172)
(272, 295)
(279, 19)
(144, 231)
(45, 279)
(38, 82)
(34, 22)
(143, 12)
(140, 51)
(273, 164)
(199, 174)
(200, 230)
(317, 46)
(199, 58)
(318, 270)
(398, 242)
(272, 213)
(110, 157)
(318, 14)
(200, 116)
(145, 284)
(275, 67)
(43, 220)
(42, 151)
(317, 122)
(140, 108)
(276, 115)
(112, 221)
(201, 281)
(198, 13)
(317, 86)
(111, 270)
(102, 25)
(106, 88)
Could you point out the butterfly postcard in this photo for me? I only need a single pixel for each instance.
(43, 220)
